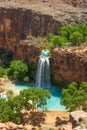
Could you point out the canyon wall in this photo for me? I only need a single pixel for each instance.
(17, 24)
(70, 64)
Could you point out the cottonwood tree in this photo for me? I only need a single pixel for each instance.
(75, 97)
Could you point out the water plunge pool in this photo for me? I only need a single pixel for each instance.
(53, 104)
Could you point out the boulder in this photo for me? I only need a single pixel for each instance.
(11, 125)
(66, 127)
(77, 116)
(2, 125)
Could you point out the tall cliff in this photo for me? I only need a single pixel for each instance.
(17, 24)
(70, 64)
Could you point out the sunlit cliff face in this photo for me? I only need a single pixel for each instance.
(70, 64)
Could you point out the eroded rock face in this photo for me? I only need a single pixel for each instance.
(17, 24)
(28, 53)
(70, 64)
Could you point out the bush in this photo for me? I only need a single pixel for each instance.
(9, 94)
(75, 96)
(18, 69)
(59, 41)
(10, 110)
(3, 72)
(76, 38)
(26, 79)
(67, 35)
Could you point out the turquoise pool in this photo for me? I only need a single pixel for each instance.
(53, 104)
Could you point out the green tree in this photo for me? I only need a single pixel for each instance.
(75, 96)
(3, 72)
(67, 35)
(18, 69)
(36, 95)
(76, 38)
(65, 31)
(9, 115)
(59, 41)
(10, 110)
(74, 34)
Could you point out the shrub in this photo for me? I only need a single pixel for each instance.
(3, 72)
(59, 41)
(18, 69)
(76, 38)
(75, 96)
(9, 94)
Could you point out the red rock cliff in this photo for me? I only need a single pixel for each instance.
(16, 24)
(70, 64)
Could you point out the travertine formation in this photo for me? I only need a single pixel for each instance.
(70, 64)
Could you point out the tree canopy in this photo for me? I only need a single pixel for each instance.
(71, 35)
(10, 110)
(18, 69)
(75, 96)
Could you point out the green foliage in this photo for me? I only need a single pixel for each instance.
(9, 94)
(26, 79)
(75, 34)
(67, 35)
(65, 31)
(10, 110)
(49, 46)
(7, 113)
(18, 69)
(49, 36)
(75, 96)
(76, 38)
(59, 41)
(37, 96)
(3, 72)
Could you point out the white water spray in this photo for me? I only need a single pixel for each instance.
(43, 71)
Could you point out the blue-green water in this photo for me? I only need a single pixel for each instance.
(53, 103)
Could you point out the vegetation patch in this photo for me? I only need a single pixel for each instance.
(32, 98)
(75, 96)
(67, 36)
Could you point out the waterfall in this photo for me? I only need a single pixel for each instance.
(43, 71)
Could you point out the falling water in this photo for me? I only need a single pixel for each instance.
(43, 71)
